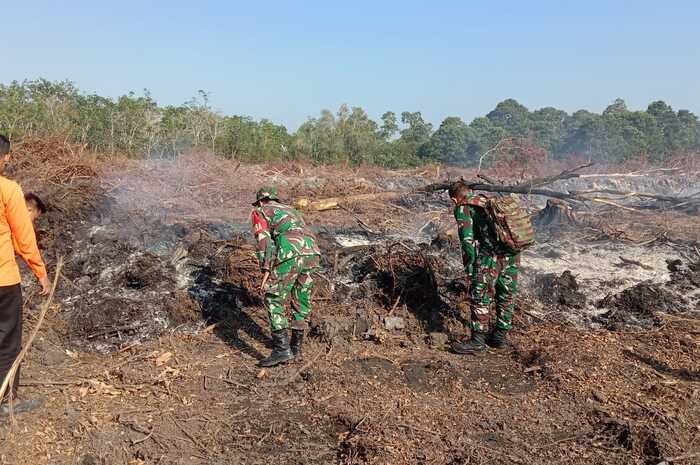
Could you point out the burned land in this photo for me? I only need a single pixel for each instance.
(149, 353)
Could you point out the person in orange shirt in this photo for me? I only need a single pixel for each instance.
(16, 234)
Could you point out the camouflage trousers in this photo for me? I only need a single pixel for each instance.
(291, 279)
(494, 277)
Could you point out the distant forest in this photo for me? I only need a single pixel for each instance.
(135, 125)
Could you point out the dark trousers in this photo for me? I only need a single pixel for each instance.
(10, 329)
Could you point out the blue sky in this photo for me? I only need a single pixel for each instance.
(288, 60)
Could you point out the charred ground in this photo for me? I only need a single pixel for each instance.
(149, 355)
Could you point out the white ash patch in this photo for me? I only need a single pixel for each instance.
(351, 240)
(600, 268)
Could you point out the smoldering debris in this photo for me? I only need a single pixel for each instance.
(639, 305)
(559, 290)
(136, 266)
(131, 285)
(158, 276)
(403, 279)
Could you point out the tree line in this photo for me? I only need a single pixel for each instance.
(137, 126)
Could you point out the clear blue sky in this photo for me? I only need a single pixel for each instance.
(288, 60)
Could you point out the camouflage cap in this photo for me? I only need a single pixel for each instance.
(266, 192)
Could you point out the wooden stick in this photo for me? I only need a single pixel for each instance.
(633, 174)
(613, 204)
(144, 439)
(10, 377)
(52, 383)
(187, 433)
(566, 174)
(495, 147)
(362, 224)
(628, 261)
(665, 198)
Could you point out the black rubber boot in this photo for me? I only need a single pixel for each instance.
(475, 345)
(297, 341)
(20, 406)
(281, 352)
(497, 338)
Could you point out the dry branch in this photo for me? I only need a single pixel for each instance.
(529, 187)
(517, 189)
(9, 378)
(664, 198)
(566, 174)
(633, 174)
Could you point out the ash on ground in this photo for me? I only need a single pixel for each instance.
(131, 276)
(639, 304)
(134, 272)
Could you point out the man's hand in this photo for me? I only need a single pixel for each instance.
(266, 276)
(45, 285)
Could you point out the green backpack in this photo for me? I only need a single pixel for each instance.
(511, 223)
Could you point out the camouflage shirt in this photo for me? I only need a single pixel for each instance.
(281, 234)
(474, 227)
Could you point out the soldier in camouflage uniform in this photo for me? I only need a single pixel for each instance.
(492, 270)
(288, 256)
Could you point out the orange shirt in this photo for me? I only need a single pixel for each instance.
(16, 234)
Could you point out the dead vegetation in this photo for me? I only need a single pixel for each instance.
(150, 355)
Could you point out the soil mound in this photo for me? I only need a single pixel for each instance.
(559, 290)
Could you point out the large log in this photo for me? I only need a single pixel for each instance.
(529, 187)
(334, 202)
(664, 198)
(517, 189)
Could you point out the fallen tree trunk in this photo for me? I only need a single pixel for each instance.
(516, 189)
(664, 198)
(334, 202)
(529, 187)
(524, 187)
(633, 174)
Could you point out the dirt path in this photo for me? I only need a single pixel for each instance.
(599, 398)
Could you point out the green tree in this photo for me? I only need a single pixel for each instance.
(360, 136)
(617, 107)
(486, 136)
(136, 125)
(416, 134)
(511, 116)
(548, 127)
(689, 131)
(583, 134)
(16, 112)
(91, 122)
(389, 127)
(452, 142)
